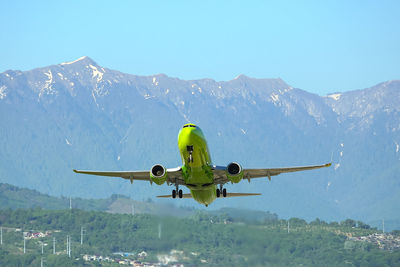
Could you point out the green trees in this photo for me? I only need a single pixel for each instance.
(202, 237)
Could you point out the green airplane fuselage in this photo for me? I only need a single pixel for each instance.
(196, 161)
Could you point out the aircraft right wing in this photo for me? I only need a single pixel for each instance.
(257, 173)
(221, 178)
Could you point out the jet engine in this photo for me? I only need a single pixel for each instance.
(234, 172)
(158, 174)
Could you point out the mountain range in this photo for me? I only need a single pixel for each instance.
(79, 115)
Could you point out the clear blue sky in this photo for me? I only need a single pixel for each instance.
(319, 46)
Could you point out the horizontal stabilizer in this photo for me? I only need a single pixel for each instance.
(227, 195)
(241, 194)
(183, 196)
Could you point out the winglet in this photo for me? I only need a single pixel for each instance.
(75, 171)
(328, 164)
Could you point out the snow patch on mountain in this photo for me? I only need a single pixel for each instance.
(94, 98)
(48, 85)
(335, 96)
(275, 97)
(155, 82)
(328, 185)
(3, 93)
(96, 73)
(71, 62)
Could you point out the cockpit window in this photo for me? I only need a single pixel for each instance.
(189, 125)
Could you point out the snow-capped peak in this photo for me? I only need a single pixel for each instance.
(71, 62)
(85, 60)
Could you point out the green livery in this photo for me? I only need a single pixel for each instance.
(197, 174)
(204, 180)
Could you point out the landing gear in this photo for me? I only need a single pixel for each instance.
(221, 190)
(190, 150)
(176, 192)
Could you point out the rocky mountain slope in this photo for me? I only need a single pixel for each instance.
(81, 115)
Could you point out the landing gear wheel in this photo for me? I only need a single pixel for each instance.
(174, 193)
(218, 192)
(180, 194)
(224, 192)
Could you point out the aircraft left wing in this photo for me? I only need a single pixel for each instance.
(220, 172)
(174, 175)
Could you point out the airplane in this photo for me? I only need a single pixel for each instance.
(204, 180)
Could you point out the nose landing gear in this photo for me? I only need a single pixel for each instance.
(190, 150)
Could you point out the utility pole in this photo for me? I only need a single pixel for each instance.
(54, 245)
(1, 235)
(67, 244)
(288, 227)
(70, 203)
(23, 235)
(41, 261)
(383, 226)
(82, 233)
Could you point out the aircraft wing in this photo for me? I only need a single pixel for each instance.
(220, 174)
(174, 175)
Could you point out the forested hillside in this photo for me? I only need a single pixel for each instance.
(202, 239)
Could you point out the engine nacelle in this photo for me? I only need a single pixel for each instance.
(158, 174)
(234, 172)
